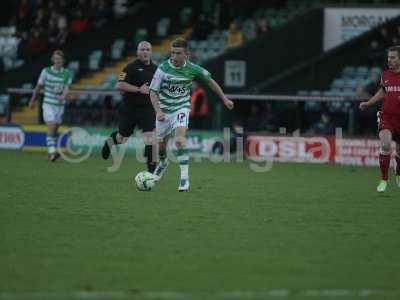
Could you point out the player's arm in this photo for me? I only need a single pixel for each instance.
(155, 101)
(39, 86)
(154, 94)
(380, 94)
(35, 94)
(214, 86)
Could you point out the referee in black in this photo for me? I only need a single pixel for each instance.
(135, 109)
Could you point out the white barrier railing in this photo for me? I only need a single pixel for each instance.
(239, 97)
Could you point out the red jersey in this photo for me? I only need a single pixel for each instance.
(390, 82)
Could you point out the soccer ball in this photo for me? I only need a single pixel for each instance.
(144, 181)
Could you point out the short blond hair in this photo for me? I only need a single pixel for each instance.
(59, 53)
(180, 43)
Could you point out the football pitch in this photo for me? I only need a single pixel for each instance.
(77, 231)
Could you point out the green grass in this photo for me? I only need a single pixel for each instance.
(76, 227)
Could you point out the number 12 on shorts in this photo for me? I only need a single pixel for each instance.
(182, 119)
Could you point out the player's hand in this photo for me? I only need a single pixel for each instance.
(363, 105)
(228, 103)
(61, 99)
(160, 116)
(144, 89)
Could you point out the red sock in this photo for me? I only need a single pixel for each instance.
(397, 165)
(384, 163)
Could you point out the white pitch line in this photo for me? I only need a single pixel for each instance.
(168, 295)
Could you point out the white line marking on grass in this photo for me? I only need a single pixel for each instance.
(266, 294)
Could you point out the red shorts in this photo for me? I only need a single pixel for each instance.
(391, 123)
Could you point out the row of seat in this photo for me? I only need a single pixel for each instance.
(9, 44)
(351, 78)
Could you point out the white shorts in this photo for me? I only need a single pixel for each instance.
(52, 113)
(179, 118)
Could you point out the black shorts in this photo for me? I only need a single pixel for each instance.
(130, 117)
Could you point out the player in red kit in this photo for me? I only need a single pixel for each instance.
(389, 116)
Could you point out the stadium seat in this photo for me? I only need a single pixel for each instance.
(362, 71)
(335, 106)
(117, 49)
(349, 92)
(162, 28)
(116, 99)
(185, 15)
(351, 83)
(140, 35)
(338, 83)
(315, 93)
(376, 70)
(312, 106)
(349, 71)
(328, 93)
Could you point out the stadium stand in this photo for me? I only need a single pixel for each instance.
(261, 30)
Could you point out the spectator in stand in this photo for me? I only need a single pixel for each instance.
(199, 107)
(235, 37)
(323, 126)
(45, 23)
(237, 136)
(263, 25)
(79, 22)
(22, 22)
(51, 6)
(62, 22)
(23, 9)
(83, 5)
(260, 118)
(52, 34)
(56, 37)
(102, 13)
(370, 89)
(250, 29)
(367, 117)
(63, 6)
(202, 28)
(41, 20)
(37, 43)
(39, 4)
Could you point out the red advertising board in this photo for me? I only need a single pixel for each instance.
(11, 137)
(361, 152)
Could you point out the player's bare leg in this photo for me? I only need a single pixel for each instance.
(52, 129)
(385, 137)
(163, 164)
(398, 164)
(183, 158)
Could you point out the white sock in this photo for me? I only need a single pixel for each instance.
(184, 171)
(51, 144)
(183, 159)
